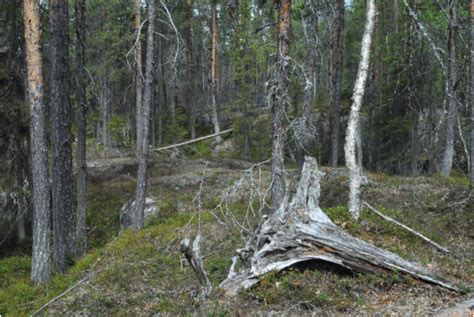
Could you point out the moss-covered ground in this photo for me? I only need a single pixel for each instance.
(126, 274)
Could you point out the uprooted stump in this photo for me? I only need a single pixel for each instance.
(300, 231)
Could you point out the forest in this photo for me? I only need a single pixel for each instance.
(237, 157)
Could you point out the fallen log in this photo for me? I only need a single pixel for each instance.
(210, 136)
(300, 231)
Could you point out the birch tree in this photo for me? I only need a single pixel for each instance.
(138, 71)
(143, 116)
(353, 126)
(41, 259)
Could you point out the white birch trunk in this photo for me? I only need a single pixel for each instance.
(353, 126)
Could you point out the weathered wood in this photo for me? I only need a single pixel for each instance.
(406, 228)
(194, 259)
(300, 231)
(210, 136)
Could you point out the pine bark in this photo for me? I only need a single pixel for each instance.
(471, 57)
(144, 115)
(452, 98)
(336, 78)
(41, 257)
(353, 126)
(280, 100)
(61, 116)
(81, 238)
(214, 70)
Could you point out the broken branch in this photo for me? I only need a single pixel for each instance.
(406, 228)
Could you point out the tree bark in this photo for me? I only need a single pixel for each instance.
(41, 257)
(138, 73)
(143, 129)
(471, 86)
(309, 92)
(81, 237)
(353, 126)
(452, 99)
(214, 70)
(187, 34)
(336, 78)
(61, 116)
(280, 100)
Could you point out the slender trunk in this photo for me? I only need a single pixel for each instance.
(61, 114)
(280, 100)
(336, 78)
(142, 151)
(41, 258)
(187, 34)
(309, 92)
(138, 73)
(81, 238)
(353, 126)
(214, 71)
(471, 85)
(452, 78)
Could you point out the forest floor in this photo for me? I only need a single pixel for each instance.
(144, 274)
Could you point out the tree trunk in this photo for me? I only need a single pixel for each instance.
(138, 73)
(448, 154)
(61, 114)
(81, 238)
(280, 100)
(144, 115)
(336, 78)
(309, 92)
(41, 258)
(471, 86)
(353, 126)
(187, 34)
(301, 232)
(214, 71)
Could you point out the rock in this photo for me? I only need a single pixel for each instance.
(225, 147)
(151, 210)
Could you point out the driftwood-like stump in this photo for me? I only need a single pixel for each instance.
(194, 259)
(300, 231)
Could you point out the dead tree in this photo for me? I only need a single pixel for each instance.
(300, 231)
(353, 126)
(143, 116)
(41, 258)
(279, 101)
(336, 80)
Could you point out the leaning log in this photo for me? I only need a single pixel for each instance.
(300, 231)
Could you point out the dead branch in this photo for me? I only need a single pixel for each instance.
(210, 136)
(416, 233)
